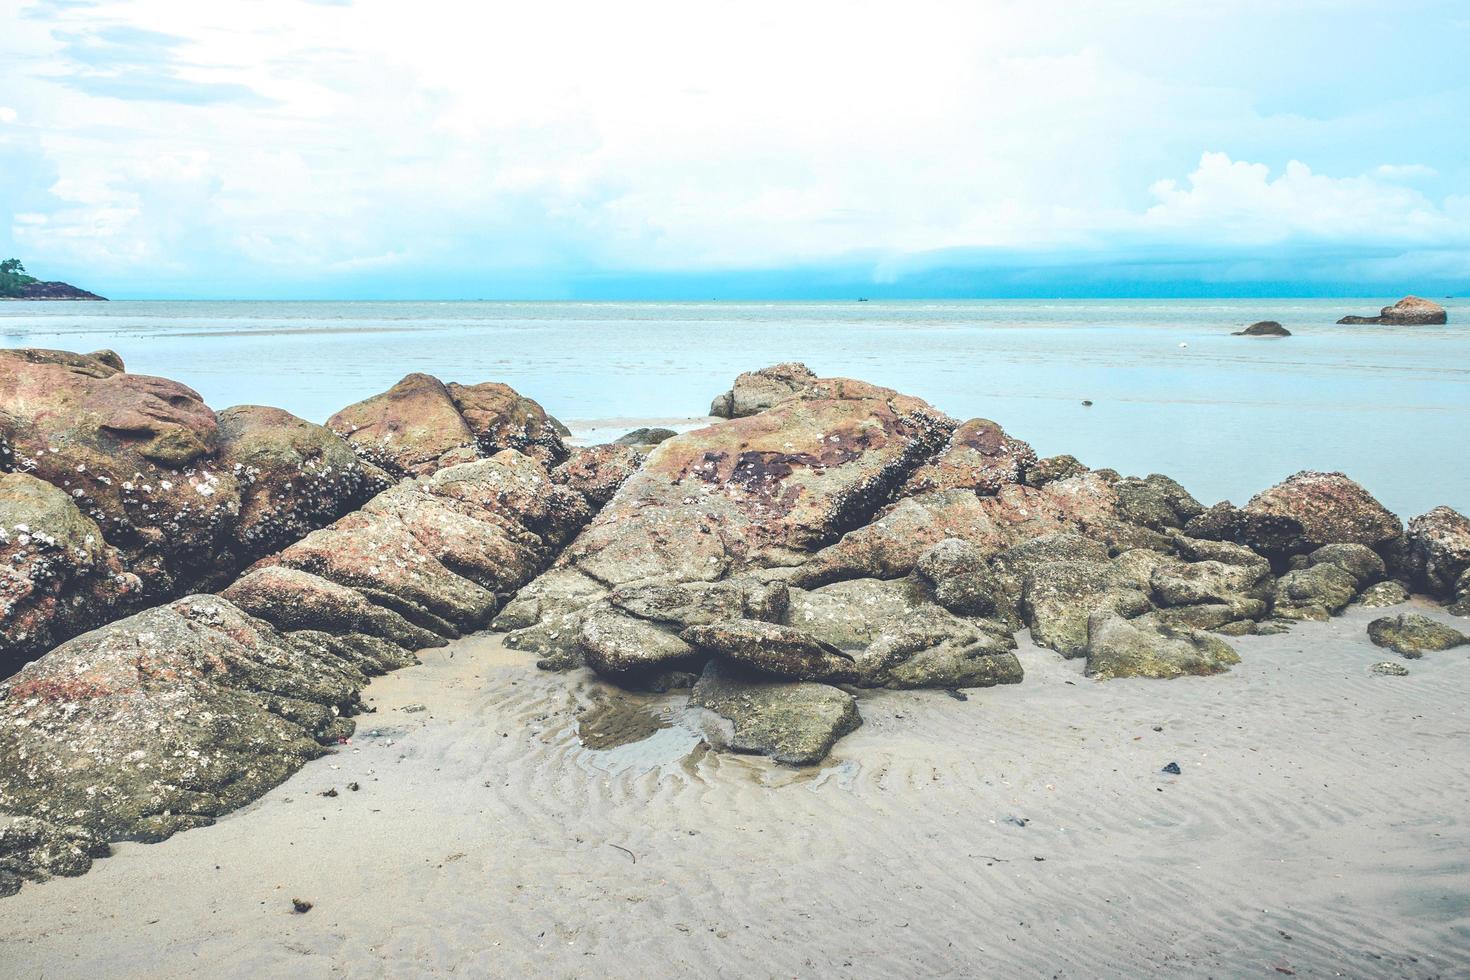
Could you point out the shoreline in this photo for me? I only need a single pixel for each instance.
(485, 836)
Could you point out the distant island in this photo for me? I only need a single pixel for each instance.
(16, 284)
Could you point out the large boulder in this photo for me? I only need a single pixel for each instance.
(293, 476)
(761, 491)
(963, 582)
(160, 722)
(1155, 502)
(1318, 592)
(795, 724)
(1059, 597)
(406, 429)
(501, 418)
(616, 645)
(1263, 328)
(756, 391)
(849, 615)
(1412, 634)
(1326, 508)
(58, 576)
(1411, 311)
(933, 648)
(135, 453)
(295, 600)
(1145, 647)
(979, 457)
(1438, 550)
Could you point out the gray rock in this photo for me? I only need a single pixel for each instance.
(1263, 328)
(644, 437)
(1313, 593)
(615, 645)
(1117, 647)
(1060, 596)
(932, 648)
(848, 615)
(796, 724)
(1412, 635)
(1438, 550)
(1389, 669)
(1384, 594)
(780, 651)
(1362, 562)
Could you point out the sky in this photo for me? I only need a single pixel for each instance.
(694, 149)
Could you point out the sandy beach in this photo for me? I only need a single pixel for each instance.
(1316, 828)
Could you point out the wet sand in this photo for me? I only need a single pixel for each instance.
(1318, 827)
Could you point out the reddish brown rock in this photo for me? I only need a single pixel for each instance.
(406, 428)
(502, 418)
(58, 576)
(1438, 550)
(1326, 508)
(756, 391)
(979, 457)
(1411, 311)
(596, 472)
(293, 476)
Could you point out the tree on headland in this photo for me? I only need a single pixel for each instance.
(13, 278)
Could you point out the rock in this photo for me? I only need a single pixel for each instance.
(756, 391)
(1407, 312)
(978, 457)
(1384, 594)
(407, 428)
(1209, 581)
(1358, 560)
(293, 477)
(1058, 598)
(701, 603)
(1327, 508)
(1460, 605)
(773, 649)
(1314, 593)
(848, 615)
(596, 472)
(758, 492)
(501, 418)
(58, 577)
(55, 291)
(34, 850)
(164, 721)
(932, 648)
(1155, 502)
(891, 544)
(645, 437)
(135, 454)
(796, 724)
(963, 583)
(1412, 635)
(291, 599)
(1053, 468)
(615, 645)
(1264, 328)
(1438, 550)
(1117, 647)
(1265, 534)
(441, 550)
(1389, 669)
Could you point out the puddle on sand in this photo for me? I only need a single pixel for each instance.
(612, 722)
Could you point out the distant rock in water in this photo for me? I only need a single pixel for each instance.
(1411, 311)
(56, 290)
(1264, 328)
(645, 437)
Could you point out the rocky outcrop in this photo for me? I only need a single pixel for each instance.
(1301, 514)
(756, 391)
(292, 477)
(421, 425)
(58, 576)
(1411, 311)
(596, 472)
(157, 723)
(1412, 635)
(1263, 328)
(978, 457)
(55, 291)
(1438, 550)
(176, 497)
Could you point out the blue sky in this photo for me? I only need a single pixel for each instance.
(284, 148)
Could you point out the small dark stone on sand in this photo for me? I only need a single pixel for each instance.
(330, 792)
(1172, 768)
(300, 906)
(412, 708)
(1158, 728)
(958, 695)
(1018, 821)
(354, 787)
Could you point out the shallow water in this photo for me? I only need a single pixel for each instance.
(1225, 415)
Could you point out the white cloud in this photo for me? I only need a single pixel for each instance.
(656, 134)
(8, 115)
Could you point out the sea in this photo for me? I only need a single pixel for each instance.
(1171, 390)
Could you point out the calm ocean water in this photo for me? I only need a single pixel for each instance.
(1225, 415)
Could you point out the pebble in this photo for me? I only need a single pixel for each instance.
(1389, 668)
